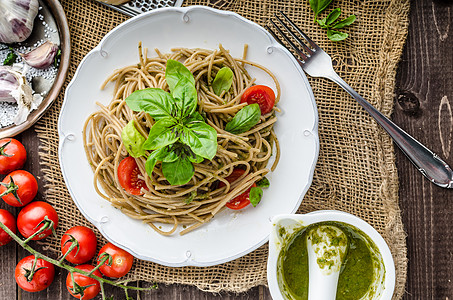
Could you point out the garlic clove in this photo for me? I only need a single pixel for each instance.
(9, 82)
(26, 102)
(41, 57)
(16, 21)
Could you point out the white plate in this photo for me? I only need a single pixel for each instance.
(230, 234)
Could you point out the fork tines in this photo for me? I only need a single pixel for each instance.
(309, 47)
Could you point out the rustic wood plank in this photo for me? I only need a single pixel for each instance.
(425, 80)
(8, 263)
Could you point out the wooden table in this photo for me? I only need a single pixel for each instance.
(422, 107)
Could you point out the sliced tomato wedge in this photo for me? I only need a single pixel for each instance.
(128, 173)
(241, 201)
(261, 94)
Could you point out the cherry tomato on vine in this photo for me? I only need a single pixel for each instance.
(261, 94)
(12, 155)
(128, 173)
(34, 280)
(241, 201)
(18, 188)
(9, 221)
(85, 287)
(87, 242)
(121, 261)
(33, 217)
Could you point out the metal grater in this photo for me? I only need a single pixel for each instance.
(136, 7)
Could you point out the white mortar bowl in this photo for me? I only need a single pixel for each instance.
(292, 223)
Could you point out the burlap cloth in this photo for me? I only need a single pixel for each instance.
(356, 170)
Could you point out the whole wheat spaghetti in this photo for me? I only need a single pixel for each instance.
(198, 201)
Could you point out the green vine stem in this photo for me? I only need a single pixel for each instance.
(69, 268)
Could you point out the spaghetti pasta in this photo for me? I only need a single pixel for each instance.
(196, 202)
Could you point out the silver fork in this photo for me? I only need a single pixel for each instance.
(317, 63)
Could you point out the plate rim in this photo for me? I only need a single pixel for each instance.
(273, 43)
(65, 46)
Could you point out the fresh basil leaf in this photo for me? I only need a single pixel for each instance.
(152, 159)
(169, 157)
(343, 23)
(263, 183)
(319, 5)
(194, 117)
(10, 58)
(162, 133)
(174, 72)
(156, 102)
(333, 16)
(201, 138)
(197, 159)
(322, 22)
(222, 81)
(133, 140)
(244, 119)
(256, 194)
(185, 95)
(161, 154)
(336, 36)
(178, 172)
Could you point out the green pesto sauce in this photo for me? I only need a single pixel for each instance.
(356, 274)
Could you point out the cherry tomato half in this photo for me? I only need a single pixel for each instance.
(42, 278)
(261, 94)
(9, 221)
(87, 244)
(32, 215)
(12, 155)
(18, 188)
(128, 173)
(241, 201)
(121, 261)
(92, 286)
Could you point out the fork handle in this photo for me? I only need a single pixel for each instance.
(426, 161)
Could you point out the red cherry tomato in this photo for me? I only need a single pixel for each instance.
(261, 94)
(9, 221)
(91, 287)
(128, 173)
(42, 278)
(87, 244)
(240, 201)
(243, 199)
(12, 155)
(121, 261)
(18, 188)
(32, 215)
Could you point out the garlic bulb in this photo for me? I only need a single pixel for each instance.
(15, 88)
(41, 57)
(16, 22)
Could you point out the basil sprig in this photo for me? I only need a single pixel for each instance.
(244, 119)
(180, 136)
(331, 23)
(222, 81)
